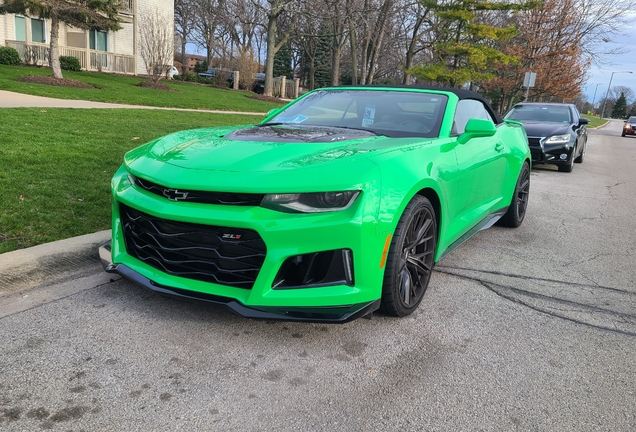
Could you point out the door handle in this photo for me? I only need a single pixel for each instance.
(499, 147)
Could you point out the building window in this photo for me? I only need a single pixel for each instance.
(99, 40)
(76, 39)
(20, 28)
(37, 30)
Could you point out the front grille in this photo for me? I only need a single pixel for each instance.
(537, 155)
(535, 149)
(204, 197)
(221, 255)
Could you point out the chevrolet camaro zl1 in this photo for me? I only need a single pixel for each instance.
(336, 205)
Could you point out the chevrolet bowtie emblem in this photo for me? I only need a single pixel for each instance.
(175, 194)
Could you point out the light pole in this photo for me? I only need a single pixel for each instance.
(608, 89)
(594, 98)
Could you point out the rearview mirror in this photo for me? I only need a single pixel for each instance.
(477, 128)
(583, 121)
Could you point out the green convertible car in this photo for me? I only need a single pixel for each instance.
(338, 204)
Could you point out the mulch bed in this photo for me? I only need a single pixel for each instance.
(49, 80)
(156, 85)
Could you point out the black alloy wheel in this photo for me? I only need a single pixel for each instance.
(411, 258)
(519, 204)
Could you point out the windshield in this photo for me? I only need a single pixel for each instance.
(631, 120)
(389, 113)
(540, 113)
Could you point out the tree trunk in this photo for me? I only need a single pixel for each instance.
(271, 51)
(336, 53)
(354, 51)
(410, 52)
(184, 68)
(54, 55)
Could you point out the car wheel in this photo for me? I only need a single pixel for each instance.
(581, 156)
(411, 258)
(517, 210)
(623, 134)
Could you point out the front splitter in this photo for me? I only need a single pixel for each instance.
(317, 314)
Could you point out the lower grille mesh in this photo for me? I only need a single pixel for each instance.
(221, 255)
(535, 149)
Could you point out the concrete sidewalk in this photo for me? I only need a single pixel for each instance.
(19, 100)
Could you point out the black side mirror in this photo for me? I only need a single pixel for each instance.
(583, 121)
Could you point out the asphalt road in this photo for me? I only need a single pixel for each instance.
(526, 329)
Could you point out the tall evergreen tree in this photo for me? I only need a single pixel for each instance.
(323, 60)
(82, 14)
(463, 50)
(620, 107)
(283, 61)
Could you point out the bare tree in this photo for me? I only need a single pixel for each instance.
(616, 91)
(273, 9)
(209, 26)
(598, 23)
(155, 42)
(184, 19)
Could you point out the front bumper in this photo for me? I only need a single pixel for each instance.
(272, 240)
(326, 314)
(550, 154)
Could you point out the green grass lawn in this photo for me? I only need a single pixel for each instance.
(56, 165)
(124, 89)
(594, 121)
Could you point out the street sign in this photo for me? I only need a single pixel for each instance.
(529, 78)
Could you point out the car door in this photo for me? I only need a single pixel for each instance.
(580, 130)
(481, 164)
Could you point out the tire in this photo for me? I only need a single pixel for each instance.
(411, 258)
(623, 134)
(519, 203)
(581, 156)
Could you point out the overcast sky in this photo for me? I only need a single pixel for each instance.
(626, 62)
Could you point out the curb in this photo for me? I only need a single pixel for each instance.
(50, 263)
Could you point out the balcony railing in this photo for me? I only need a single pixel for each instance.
(127, 7)
(90, 60)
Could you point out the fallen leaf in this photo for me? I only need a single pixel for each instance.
(42, 110)
(134, 138)
(21, 198)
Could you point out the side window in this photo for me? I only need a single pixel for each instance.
(576, 116)
(467, 109)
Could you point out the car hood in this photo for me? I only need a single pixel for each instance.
(546, 129)
(264, 148)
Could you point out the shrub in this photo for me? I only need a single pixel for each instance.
(203, 80)
(9, 56)
(188, 76)
(70, 63)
